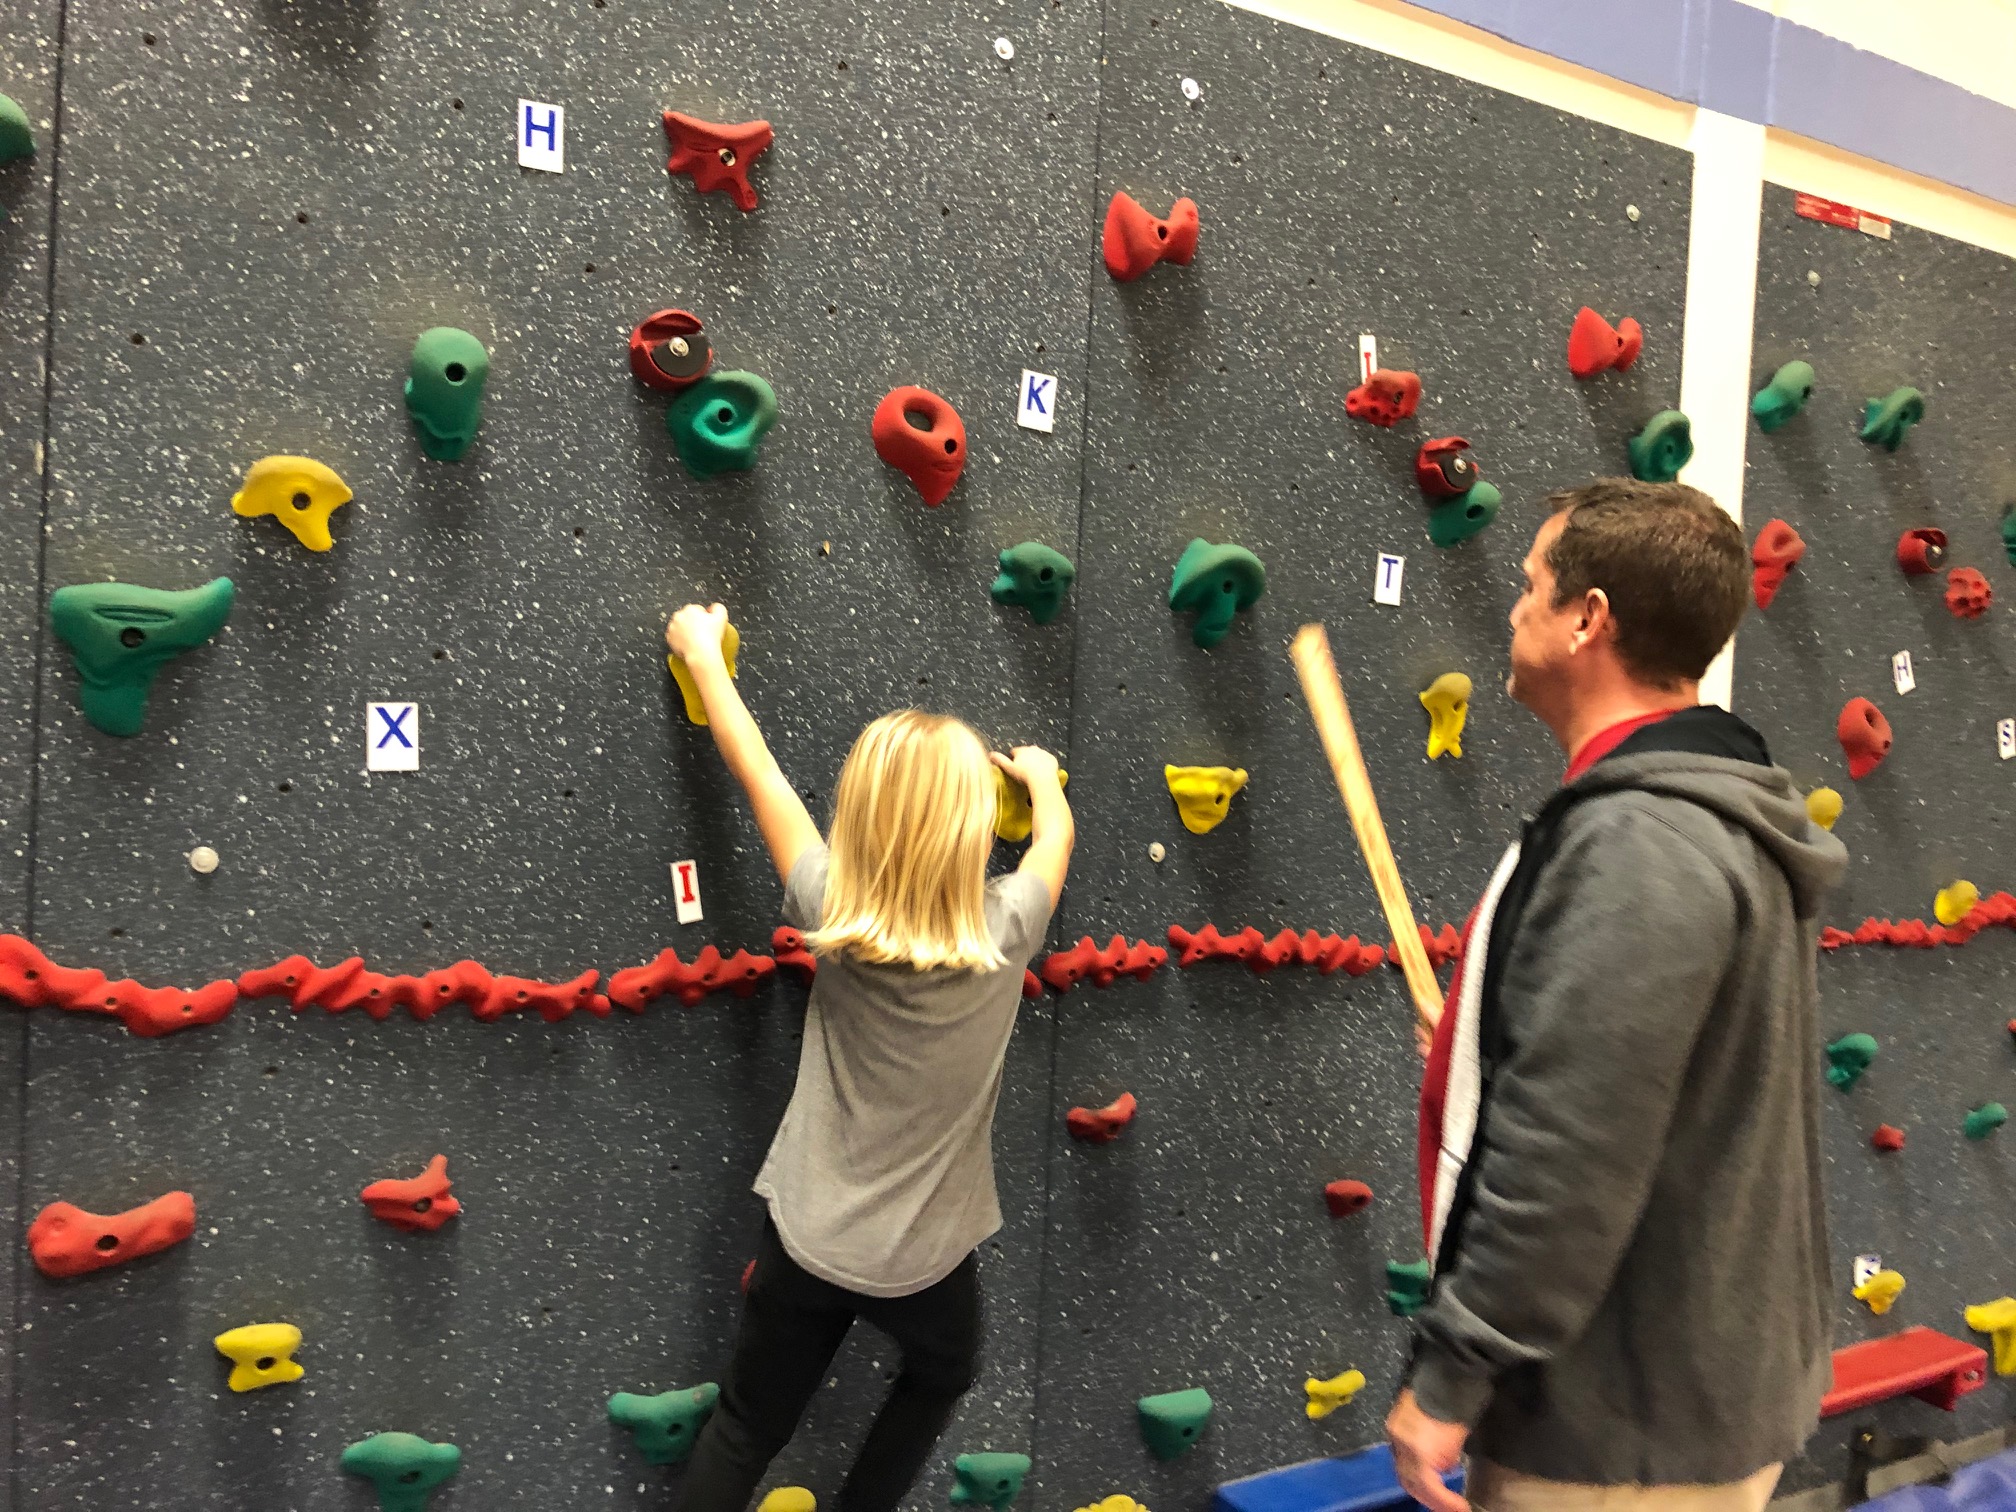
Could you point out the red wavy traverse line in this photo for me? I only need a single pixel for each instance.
(1997, 908)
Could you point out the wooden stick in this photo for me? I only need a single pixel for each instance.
(1324, 689)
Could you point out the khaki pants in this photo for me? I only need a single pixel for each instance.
(1493, 1488)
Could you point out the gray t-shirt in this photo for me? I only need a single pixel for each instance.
(881, 1177)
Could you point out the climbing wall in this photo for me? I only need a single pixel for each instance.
(1870, 315)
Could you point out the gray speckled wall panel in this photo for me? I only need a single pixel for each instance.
(1340, 191)
(1934, 313)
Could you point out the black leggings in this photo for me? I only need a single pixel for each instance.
(792, 1324)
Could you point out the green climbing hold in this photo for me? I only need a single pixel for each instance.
(988, 1480)
(1035, 578)
(17, 139)
(665, 1426)
(404, 1467)
(1885, 420)
(444, 391)
(1454, 521)
(1218, 582)
(1848, 1057)
(1985, 1120)
(1659, 451)
(1407, 1286)
(2009, 533)
(1174, 1421)
(716, 423)
(1783, 397)
(121, 635)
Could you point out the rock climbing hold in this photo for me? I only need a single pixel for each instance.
(2009, 533)
(1203, 794)
(67, 1241)
(297, 491)
(1864, 735)
(669, 350)
(418, 1204)
(742, 973)
(716, 422)
(1967, 593)
(1952, 904)
(261, 1354)
(121, 635)
(1454, 521)
(17, 138)
(1217, 582)
(1881, 1290)
(1921, 551)
(696, 711)
(1102, 966)
(1594, 347)
(1442, 469)
(718, 157)
(1659, 451)
(988, 1479)
(444, 391)
(1134, 240)
(404, 1467)
(1783, 397)
(930, 455)
(1997, 1318)
(1984, 1120)
(1848, 1057)
(1384, 399)
(1823, 807)
(1117, 1502)
(1345, 1198)
(1447, 700)
(1407, 1286)
(1886, 421)
(787, 947)
(1777, 551)
(665, 1426)
(204, 860)
(1325, 1397)
(1173, 1421)
(788, 1499)
(1887, 1138)
(1101, 1125)
(1036, 578)
(1013, 819)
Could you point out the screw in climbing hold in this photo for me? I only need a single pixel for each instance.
(1595, 346)
(1952, 904)
(716, 423)
(717, 156)
(1848, 1057)
(1203, 794)
(669, 350)
(1887, 420)
(1784, 396)
(1407, 1286)
(404, 1467)
(1134, 241)
(1447, 700)
(1864, 735)
(120, 636)
(1385, 398)
(1217, 582)
(1778, 549)
(1921, 551)
(921, 436)
(1325, 1397)
(988, 1479)
(261, 1354)
(665, 1427)
(203, 860)
(1880, 1290)
(444, 390)
(1174, 1420)
(1984, 1120)
(1662, 448)
(1034, 577)
(1823, 807)
(1997, 1318)
(299, 492)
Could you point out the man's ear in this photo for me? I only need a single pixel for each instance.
(1594, 617)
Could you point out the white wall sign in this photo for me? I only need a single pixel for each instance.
(542, 136)
(686, 890)
(2005, 737)
(1386, 586)
(391, 737)
(1036, 404)
(1368, 356)
(1901, 673)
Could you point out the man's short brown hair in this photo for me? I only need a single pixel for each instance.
(1673, 565)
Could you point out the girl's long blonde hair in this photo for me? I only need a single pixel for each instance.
(913, 822)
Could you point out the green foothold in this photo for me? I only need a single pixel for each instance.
(1885, 420)
(1659, 451)
(1985, 1120)
(1783, 397)
(444, 391)
(665, 1426)
(1035, 578)
(2009, 533)
(1848, 1057)
(1454, 521)
(17, 140)
(404, 1467)
(988, 1480)
(1218, 582)
(1407, 1286)
(1174, 1421)
(716, 423)
(121, 635)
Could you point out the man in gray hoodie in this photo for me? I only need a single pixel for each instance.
(1620, 1159)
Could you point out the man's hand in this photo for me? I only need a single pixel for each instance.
(1027, 764)
(1424, 1447)
(695, 631)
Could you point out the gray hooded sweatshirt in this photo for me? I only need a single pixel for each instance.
(1627, 1221)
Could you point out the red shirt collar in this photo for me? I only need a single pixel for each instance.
(1603, 742)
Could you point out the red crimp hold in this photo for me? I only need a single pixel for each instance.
(653, 361)
(418, 1204)
(1067, 968)
(1135, 241)
(1778, 550)
(1442, 948)
(1101, 1125)
(1967, 593)
(1386, 398)
(336, 988)
(1920, 551)
(1595, 347)
(1442, 470)
(1833, 939)
(931, 456)
(1032, 984)
(1887, 1137)
(741, 974)
(1347, 1197)
(1209, 945)
(787, 945)
(551, 1001)
(1864, 735)
(32, 980)
(466, 982)
(1325, 952)
(718, 157)
(67, 1241)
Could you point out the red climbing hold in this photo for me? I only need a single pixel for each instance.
(1594, 347)
(1442, 948)
(1135, 240)
(67, 1241)
(932, 455)
(1864, 735)
(1833, 939)
(1208, 945)
(748, 1275)
(1442, 470)
(668, 351)
(1347, 1197)
(1887, 1137)
(1065, 969)
(551, 1001)
(741, 974)
(788, 946)
(1032, 984)
(1921, 551)
(336, 988)
(718, 157)
(32, 980)
(418, 1204)
(1778, 550)
(1101, 1125)
(1967, 593)
(1386, 398)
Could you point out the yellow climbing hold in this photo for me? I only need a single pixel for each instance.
(1952, 904)
(1447, 701)
(1880, 1290)
(1823, 807)
(696, 711)
(1325, 1397)
(299, 492)
(1999, 1319)
(1012, 818)
(261, 1354)
(788, 1499)
(1203, 794)
(1115, 1503)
